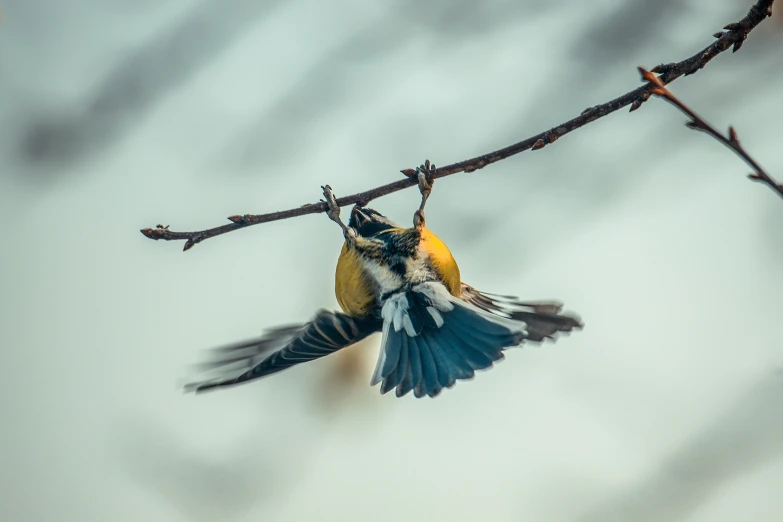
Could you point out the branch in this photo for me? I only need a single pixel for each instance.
(698, 123)
(734, 36)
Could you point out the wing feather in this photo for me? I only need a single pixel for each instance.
(282, 348)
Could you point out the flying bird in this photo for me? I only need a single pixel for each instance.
(405, 284)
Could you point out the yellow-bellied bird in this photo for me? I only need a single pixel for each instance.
(404, 283)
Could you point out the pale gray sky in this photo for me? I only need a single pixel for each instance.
(121, 116)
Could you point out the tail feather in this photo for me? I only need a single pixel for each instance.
(440, 370)
(429, 370)
(449, 369)
(475, 341)
(475, 358)
(413, 375)
(398, 374)
(390, 355)
(432, 340)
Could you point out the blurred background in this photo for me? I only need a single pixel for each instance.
(121, 115)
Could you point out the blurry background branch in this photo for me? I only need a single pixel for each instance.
(698, 123)
(733, 36)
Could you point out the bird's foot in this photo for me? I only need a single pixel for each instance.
(333, 211)
(426, 181)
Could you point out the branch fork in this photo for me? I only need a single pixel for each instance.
(696, 122)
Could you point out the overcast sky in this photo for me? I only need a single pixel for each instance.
(119, 116)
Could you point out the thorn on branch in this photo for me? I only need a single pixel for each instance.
(733, 136)
(159, 232)
(239, 220)
(150, 233)
(539, 144)
(411, 173)
(643, 97)
(656, 85)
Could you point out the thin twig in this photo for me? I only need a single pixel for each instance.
(698, 123)
(733, 37)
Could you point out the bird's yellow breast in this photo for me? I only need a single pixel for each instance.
(442, 261)
(352, 286)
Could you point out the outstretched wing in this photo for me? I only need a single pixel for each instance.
(543, 318)
(282, 348)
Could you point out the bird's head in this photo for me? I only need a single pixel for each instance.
(368, 222)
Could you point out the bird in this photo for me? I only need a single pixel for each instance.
(404, 284)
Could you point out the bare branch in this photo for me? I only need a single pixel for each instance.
(698, 123)
(733, 36)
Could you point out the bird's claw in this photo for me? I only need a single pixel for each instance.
(331, 202)
(333, 211)
(425, 186)
(424, 177)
